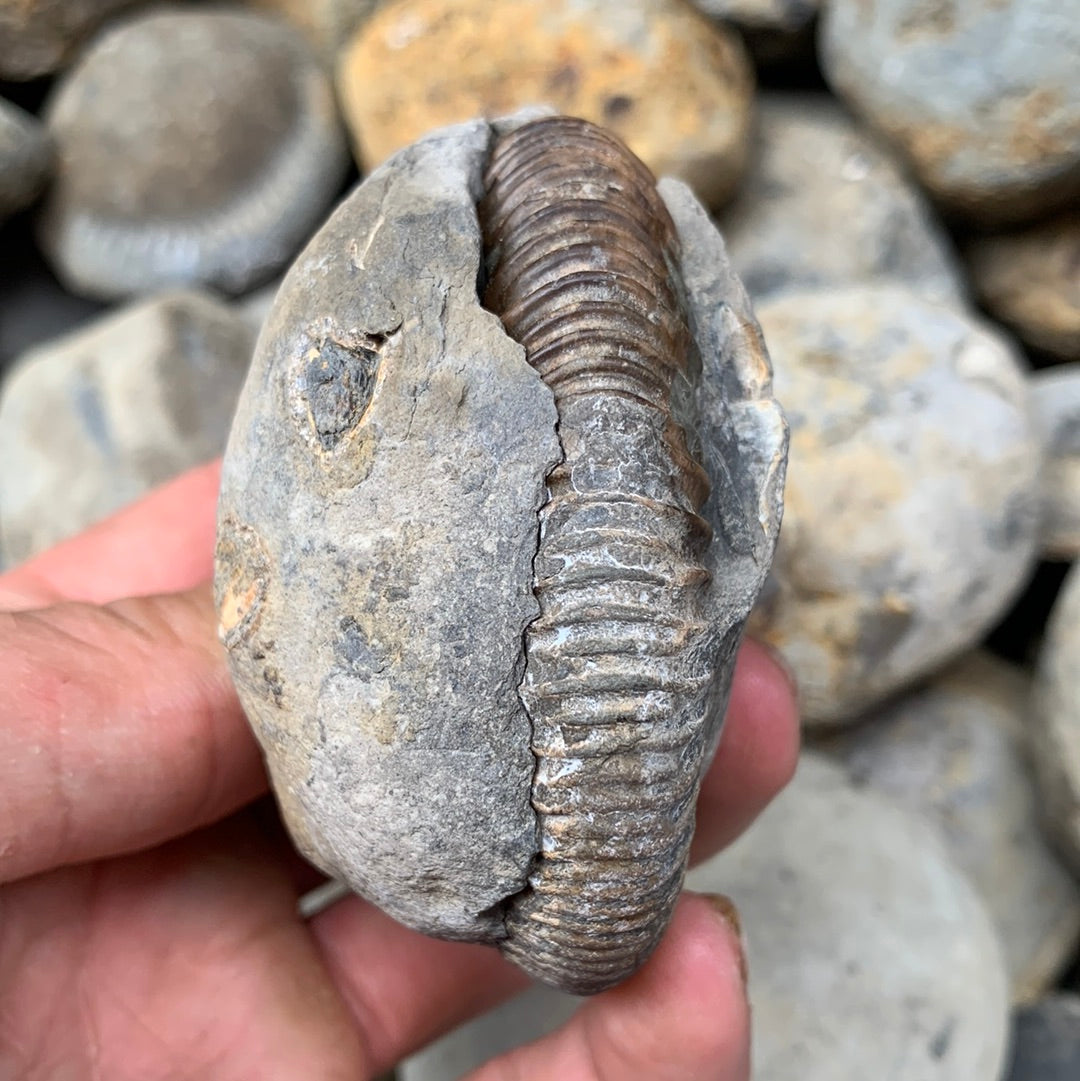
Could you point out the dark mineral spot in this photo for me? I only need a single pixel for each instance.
(337, 385)
(617, 106)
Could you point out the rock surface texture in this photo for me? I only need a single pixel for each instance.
(674, 87)
(869, 954)
(327, 24)
(72, 449)
(1055, 736)
(1055, 400)
(435, 679)
(824, 204)
(1030, 279)
(956, 752)
(38, 36)
(195, 147)
(906, 533)
(1046, 1041)
(25, 158)
(980, 95)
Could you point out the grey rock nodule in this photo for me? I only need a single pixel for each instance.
(1055, 401)
(1046, 1040)
(906, 533)
(824, 203)
(1055, 725)
(956, 752)
(25, 158)
(869, 954)
(981, 97)
(93, 420)
(378, 525)
(194, 147)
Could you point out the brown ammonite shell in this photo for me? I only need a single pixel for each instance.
(497, 600)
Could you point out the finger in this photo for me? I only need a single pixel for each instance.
(161, 544)
(121, 729)
(402, 988)
(682, 1017)
(757, 755)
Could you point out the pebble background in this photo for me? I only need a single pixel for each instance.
(899, 184)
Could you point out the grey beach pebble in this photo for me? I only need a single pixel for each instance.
(981, 96)
(93, 420)
(1046, 1040)
(1055, 400)
(1055, 734)
(25, 158)
(824, 203)
(906, 532)
(327, 24)
(869, 954)
(956, 752)
(195, 147)
(37, 37)
(1030, 279)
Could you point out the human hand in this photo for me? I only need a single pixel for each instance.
(148, 922)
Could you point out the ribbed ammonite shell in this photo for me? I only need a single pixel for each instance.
(504, 482)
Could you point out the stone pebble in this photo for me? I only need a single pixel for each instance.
(327, 24)
(982, 97)
(1055, 724)
(195, 147)
(1046, 1040)
(95, 419)
(824, 203)
(38, 37)
(955, 751)
(869, 954)
(774, 30)
(1055, 400)
(1030, 280)
(912, 508)
(675, 87)
(25, 158)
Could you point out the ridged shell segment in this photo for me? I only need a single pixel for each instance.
(582, 261)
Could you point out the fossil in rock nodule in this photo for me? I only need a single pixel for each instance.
(483, 564)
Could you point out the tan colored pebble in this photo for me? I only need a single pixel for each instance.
(675, 87)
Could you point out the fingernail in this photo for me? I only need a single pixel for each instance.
(725, 908)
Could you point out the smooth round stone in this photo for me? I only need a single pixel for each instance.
(824, 204)
(1055, 722)
(25, 158)
(195, 147)
(981, 95)
(93, 420)
(1030, 279)
(1046, 1041)
(912, 505)
(327, 24)
(869, 954)
(956, 753)
(37, 37)
(675, 87)
(774, 29)
(1055, 400)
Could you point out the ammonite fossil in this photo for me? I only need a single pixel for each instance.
(504, 482)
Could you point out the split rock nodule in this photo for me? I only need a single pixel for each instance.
(484, 622)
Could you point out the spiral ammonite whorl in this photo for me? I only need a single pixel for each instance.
(582, 255)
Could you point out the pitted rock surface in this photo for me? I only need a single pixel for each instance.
(907, 532)
(674, 87)
(824, 203)
(956, 752)
(72, 448)
(981, 96)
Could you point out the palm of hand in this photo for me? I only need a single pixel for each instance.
(148, 920)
